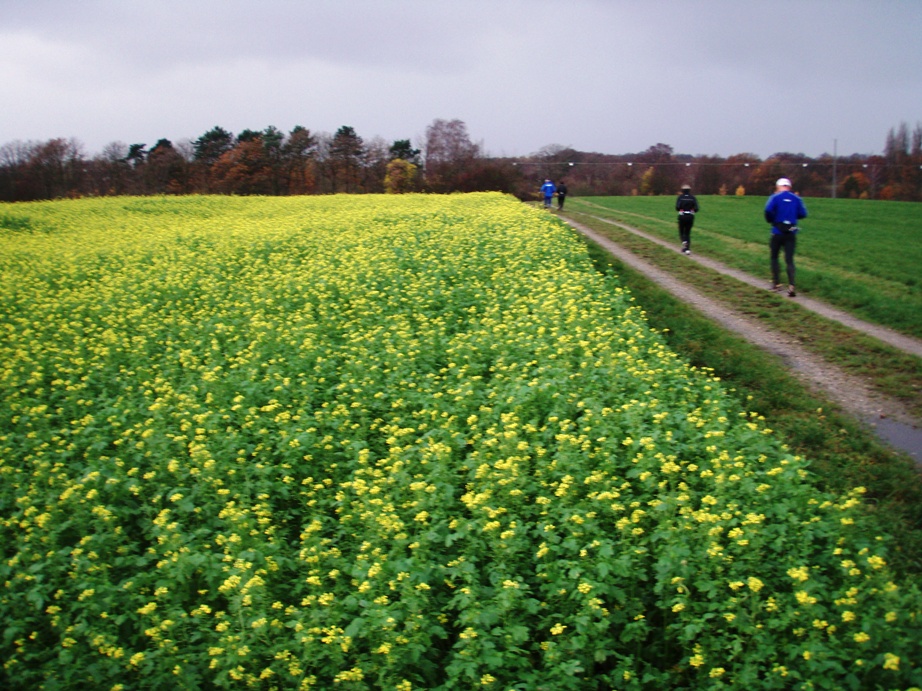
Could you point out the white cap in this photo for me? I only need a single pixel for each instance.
(783, 182)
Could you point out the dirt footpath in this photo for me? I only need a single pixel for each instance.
(907, 344)
(886, 416)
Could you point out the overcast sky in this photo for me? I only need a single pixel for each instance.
(613, 76)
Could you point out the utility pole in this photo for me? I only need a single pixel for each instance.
(835, 155)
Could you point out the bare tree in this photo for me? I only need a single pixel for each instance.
(326, 181)
(56, 168)
(448, 151)
(14, 162)
(377, 154)
(108, 172)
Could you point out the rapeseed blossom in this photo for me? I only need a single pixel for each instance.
(315, 442)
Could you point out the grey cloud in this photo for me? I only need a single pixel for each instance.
(707, 76)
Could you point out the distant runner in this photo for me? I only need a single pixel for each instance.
(687, 206)
(548, 189)
(561, 195)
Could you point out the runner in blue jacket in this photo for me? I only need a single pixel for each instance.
(783, 210)
(548, 189)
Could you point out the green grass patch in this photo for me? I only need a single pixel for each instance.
(861, 256)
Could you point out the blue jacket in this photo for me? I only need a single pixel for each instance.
(784, 209)
(548, 189)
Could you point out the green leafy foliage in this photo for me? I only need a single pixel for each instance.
(396, 442)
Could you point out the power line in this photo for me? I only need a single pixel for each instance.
(750, 164)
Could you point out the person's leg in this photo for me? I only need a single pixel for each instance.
(790, 243)
(775, 247)
(683, 232)
(689, 223)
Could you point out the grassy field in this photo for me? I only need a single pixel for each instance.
(400, 442)
(862, 256)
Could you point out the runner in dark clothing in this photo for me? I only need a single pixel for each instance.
(561, 195)
(687, 206)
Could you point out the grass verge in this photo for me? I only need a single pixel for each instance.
(843, 453)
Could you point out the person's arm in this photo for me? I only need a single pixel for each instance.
(770, 211)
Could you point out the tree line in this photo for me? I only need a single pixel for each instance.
(894, 175)
(267, 162)
(273, 162)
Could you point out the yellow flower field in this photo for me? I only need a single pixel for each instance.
(401, 442)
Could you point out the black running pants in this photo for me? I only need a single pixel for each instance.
(686, 221)
(787, 242)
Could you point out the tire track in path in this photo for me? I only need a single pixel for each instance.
(886, 416)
